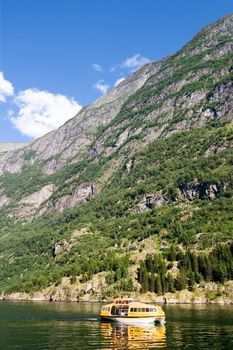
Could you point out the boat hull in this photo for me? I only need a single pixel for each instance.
(135, 320)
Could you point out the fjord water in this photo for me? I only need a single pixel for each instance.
(74, 326)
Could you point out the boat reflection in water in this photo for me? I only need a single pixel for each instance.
(133, 337)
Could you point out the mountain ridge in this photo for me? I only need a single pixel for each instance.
(149, 162)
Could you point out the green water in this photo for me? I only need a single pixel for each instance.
(69, 326)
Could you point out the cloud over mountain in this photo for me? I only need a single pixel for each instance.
(102, 86)
(6, 88)
(41, 111)
(135, 61)
(118, 81)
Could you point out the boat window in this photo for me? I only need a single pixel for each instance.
(134, 309)
(105, 308)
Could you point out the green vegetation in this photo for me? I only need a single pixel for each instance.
(165, 167)
(156, 272)
(152, 96)
(174, 189)
(27, 181)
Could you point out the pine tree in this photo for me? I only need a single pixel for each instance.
(156, 263)
(194, 262)
(158, 284)
(145, 282)
(187, 262)
(191, 280)
(149, 263)
(152, 283)
(202, 265)
(208, 269)
(164, 283)
(170, 281)
(172, 253)
(181, 280)
(140, 275)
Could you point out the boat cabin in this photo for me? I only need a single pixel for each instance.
(128, 308)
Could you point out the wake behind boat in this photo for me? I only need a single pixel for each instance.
(129, 311)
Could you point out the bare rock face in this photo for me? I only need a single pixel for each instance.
(187, 191)
(37, 198)
(122, 138)
(199, 190)
(190, 89)
(64, 246)
(61, 248)
(83, 193)
(129, 165)
(11, 161)
(150, 201)
(183, 101)
(10, 146)
(74, 137)
(4, 200)
(32, 202)
(217, 148)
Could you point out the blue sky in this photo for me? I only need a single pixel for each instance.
(59, 55)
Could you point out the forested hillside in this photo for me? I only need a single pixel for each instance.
(135, 193)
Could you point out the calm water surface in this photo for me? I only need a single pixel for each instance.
(73, 326)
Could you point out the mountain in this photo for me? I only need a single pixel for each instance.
(135, 192)
(10, 146)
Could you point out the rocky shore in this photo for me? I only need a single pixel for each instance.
(210, 293)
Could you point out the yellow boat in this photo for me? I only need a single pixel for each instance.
(129, 311)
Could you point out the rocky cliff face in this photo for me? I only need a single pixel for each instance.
(155, 150)
(72, 140)
(188, 90)
(10, 146)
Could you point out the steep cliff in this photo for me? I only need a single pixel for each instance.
(150, 160)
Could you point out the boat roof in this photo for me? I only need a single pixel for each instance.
(123, 299)
(139, 304)
(136, 304)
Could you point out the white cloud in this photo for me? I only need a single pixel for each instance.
(118, 81)
(6, 88)
(135, 61)
(113, 69)
(41, 111)
(102, 86)
(97, 67)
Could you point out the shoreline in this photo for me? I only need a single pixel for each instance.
(184, 299)
(209, 293)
